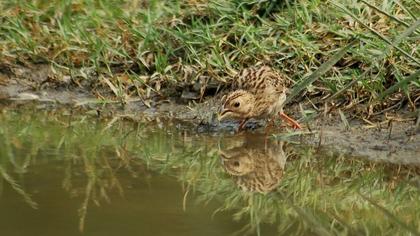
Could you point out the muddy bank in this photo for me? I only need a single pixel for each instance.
(392, 139)
(397, 142)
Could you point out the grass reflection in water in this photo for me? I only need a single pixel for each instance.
(260, 181)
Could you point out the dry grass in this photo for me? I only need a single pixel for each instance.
(146, 48)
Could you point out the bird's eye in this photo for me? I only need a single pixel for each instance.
(236, 104)
(236, 163)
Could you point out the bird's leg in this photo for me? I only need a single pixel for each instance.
(289, 120)
(242, 124)
(270, 123)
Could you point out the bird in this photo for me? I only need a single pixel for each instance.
(255, 168)
(258, 92)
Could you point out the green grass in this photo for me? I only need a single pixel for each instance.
(320, 192)
(134, 47)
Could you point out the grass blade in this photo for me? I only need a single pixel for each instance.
(308, 217)
(319, 72)
(407, 10)
(391, 216)
(346, 10)
(387, 14)
(393, 88)
(396, 41)
(18, 188)
(344, 120)
(407, 32)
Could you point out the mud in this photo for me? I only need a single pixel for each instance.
(397, 142)
(392, 140)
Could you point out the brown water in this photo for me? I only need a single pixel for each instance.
(151, 206)
(64, 173)
(50, 190)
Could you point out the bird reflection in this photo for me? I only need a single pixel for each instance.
(257, 165)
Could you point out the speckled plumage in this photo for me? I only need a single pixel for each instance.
(256, 79)
(255, 169)
(258, 92)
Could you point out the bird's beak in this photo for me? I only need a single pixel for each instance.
(222, 114)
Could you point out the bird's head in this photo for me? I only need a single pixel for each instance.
(237, 161)
(238, 104)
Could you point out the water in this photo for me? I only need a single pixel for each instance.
(146, 207)
(68, 173)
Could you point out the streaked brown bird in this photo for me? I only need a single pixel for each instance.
(259, 92)
(255, 168)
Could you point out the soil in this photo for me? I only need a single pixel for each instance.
(396, 142)
(393, 140)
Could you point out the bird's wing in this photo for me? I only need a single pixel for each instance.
(258, 79)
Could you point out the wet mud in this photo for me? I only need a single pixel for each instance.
(393, 140)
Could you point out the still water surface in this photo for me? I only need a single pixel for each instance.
(145, 207)
(68, 174)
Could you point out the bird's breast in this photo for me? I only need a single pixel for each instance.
(279, 103)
